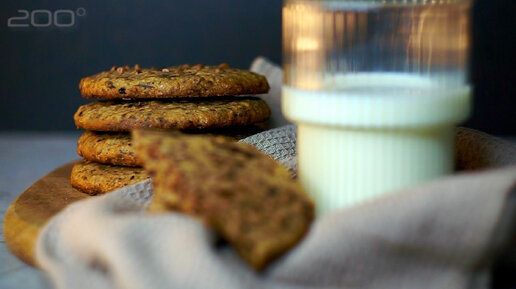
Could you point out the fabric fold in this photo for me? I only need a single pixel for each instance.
(445, 234)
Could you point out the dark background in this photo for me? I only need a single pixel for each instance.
(41, 67)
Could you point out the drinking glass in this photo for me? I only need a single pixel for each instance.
(376, 88)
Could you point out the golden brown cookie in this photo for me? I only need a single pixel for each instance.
(240, 192)
(171, 114)
(116, 148)
(107, 148)
(176, 81)
(93, 178)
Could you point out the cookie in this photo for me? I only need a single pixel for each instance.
(116, 148)
(171, 114)
(240, 192)
(171, 82)
(107, 148)
(93, 178)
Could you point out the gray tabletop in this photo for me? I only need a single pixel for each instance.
(24, 158)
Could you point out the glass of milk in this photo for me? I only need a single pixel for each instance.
(376, 88)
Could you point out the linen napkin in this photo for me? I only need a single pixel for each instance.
(443, 234)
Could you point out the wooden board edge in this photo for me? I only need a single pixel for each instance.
(21, 235)
(14, 239)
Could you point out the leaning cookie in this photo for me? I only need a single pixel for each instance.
(171, 114)
(240, 192)
(117, 149)
(176, 81)
(93, 178)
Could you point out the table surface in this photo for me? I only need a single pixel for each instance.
(24, 158)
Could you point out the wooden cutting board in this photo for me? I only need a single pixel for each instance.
(34, 207)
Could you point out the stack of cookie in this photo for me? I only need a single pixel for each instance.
(194, 99)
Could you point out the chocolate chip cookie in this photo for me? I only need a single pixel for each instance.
(171, 114)
(171, 82)
(243, 194)
(93, 178)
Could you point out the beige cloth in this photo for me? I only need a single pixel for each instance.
(444, 234)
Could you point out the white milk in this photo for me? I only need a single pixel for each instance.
(368, 134)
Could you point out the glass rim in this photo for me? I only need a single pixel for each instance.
(342, 4)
